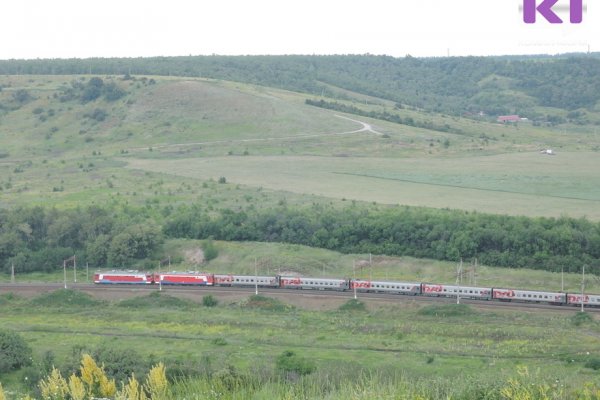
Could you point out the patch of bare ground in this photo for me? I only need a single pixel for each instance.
(194, 256)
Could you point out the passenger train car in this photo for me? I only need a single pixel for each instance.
(246, 281)
(194, 278)
(124, 277)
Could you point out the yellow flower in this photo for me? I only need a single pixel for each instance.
(156, 383)
(55, 387)
(133, 391)
(77, 388)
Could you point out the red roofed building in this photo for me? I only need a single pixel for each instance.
(508, 118)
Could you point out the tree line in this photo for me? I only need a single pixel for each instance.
(453, 85)
(38, 239)
(385, 116)
(506, 241)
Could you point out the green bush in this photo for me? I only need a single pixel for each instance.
(119, 364)
(209, 301)
(581, 318)
(289, 362)
(594, 364)
(219, 341)
(353, 305)
(265, 303)
(97, 114)
(209, 250)
(14, 351)
(446, 310)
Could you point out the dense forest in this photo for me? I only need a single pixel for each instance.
(40, 239)
(456, 85)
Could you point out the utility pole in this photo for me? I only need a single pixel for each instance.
(65, 272)
(12, 273)
(562, 279)
(74, 269)
(458, 276)
(255, 277)
(159, 279)
(354, 278)
(582, 286)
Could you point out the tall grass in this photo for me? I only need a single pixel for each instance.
(368, 386)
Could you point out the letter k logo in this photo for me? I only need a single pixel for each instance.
(545, 9)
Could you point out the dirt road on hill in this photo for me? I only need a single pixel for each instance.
(365, 128)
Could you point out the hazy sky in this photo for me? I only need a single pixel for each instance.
(131, 28)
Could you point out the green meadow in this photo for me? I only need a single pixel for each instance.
(168, 136)
(395, 343)
(520, 183)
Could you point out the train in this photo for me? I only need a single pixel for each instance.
(199, 279)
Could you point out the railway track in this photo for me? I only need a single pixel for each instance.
(295, 296)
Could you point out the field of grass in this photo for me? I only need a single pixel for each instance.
(519, 183)
(187, 131)
(408, 340)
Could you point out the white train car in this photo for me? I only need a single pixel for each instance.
(410, 288)
(591, 300)
(470, 292)
(246, 280)
(124, 277)
(531, 296)
(295, 282)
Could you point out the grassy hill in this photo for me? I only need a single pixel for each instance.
(544, 88)
(165, 138)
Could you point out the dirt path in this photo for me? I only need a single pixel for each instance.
(365, 128)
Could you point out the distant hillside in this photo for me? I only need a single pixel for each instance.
(459, 85)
